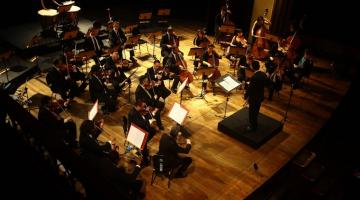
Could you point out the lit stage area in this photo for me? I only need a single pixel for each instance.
(222, 167)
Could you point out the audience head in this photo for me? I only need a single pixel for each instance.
(174, 132)
(255, 65)
(88, 127)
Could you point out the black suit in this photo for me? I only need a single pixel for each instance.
(167, 39)
(94, 44)
(170, 149)
(117, 38)
(148, 98)
(54, 122)
(117, 76)
(255, 95)
(160, 90)
(171, 62)
(99, 91)
(58, 84)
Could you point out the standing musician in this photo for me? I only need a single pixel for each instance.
(168, 40)
(210, 59)
(99, 91)
(144, 92)
(200, 41)
(59, 80)
(290, 46)
(260, 45)
(49, 117)
(93, 42)
(176, 64)
(139, 115)
(116, 75)
(222, 18)
(156, 74)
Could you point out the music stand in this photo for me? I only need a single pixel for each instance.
(152, 36)
(196, 51)
(181, 89)
(227, 29)
(130, 28)
(237, 51)
(163, 12)
(137, 136)
(227, 83)
(86, 55)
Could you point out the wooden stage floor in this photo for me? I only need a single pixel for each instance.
(222, 166)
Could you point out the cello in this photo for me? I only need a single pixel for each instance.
(184, 72)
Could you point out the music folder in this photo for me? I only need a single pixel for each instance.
(94, 110)
(178, 113)
(196, 51)
(228, 83)
(137, 136)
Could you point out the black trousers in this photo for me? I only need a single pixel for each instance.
(185, 163)
(254, 108)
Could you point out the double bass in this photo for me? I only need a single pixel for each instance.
(184, 73)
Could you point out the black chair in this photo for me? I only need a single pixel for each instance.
(162, 168)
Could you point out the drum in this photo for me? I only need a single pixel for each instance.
(72, 15)
(48, 18)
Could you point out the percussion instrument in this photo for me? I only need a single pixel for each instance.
(72, 14)
(48, 18)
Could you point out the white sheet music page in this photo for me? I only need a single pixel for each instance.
(94, 110)
(182, 86)
(229, 83)
(137, 136)
(178, 113)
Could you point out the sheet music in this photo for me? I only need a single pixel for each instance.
(178, 113)
(94, 110)
(229, 83)
(182, 86)
(136, 136)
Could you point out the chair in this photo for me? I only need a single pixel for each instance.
(125, 128)
(161, 168)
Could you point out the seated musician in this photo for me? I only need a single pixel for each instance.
(145, 92)
(60, 81)
(117, 38)
(49, 117)
(303, 68)
(175, 63)
(238, 41)
(89, 144)
(200, 41)
(170, 149)
(210, 59)
(99, 91)
(168, 40)
(116, 75)
(139, 116)
(157, 75)
(93, 42)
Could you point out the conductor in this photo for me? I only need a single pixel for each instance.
(254, 95)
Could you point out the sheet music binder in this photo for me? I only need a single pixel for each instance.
(137, 136)
(178, 113)
(196, 51)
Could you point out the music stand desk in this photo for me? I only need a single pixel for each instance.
(196, 51)
(227, 29)
(163, 12)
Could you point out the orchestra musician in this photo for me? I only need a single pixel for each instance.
(118, 39)
(93, 42)
(177, 65)
(99, 91)
(210, 59)
(168, 41)
(49, 116)
(156, 74)
(170, 149)
(202, 41)
(238, 41)
(290, 47)
(60, 81)
(222, 18)
(144, 92)
(116, 75)
(260, 46)
(89, 144)
(139, 116)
